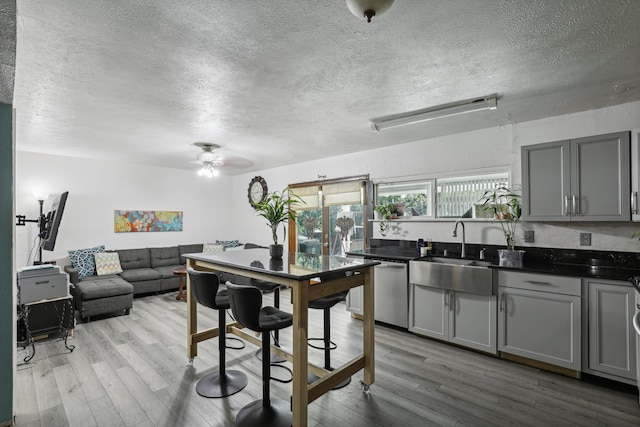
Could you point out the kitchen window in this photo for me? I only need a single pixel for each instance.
(447, 197)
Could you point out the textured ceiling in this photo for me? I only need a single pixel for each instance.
(281, 82)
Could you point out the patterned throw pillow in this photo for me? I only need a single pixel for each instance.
(83, 261)
(228, 243)
(211, 247)
(107, 263)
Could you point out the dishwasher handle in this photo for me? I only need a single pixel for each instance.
(390, 265)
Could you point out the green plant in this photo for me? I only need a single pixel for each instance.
(505, 206)
(276, 209)
(385, 210)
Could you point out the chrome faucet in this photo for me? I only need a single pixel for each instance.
(455, 234)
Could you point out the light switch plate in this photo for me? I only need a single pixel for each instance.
(528, 236)
(585, 239)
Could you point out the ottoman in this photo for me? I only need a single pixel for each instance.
(103, 294)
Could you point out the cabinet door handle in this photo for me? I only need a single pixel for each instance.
(575, 209)
(446, 298)
(452, 301)
(567, 212)
(634, 202)
(501, 303)
(533, 282)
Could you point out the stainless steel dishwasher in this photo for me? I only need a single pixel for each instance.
(391, 284)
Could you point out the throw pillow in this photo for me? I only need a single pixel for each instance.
(228, 243)
(83, 261)
(107, 263)
(211, 247)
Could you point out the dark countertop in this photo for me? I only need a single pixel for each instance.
(576, 270)
(390, 253)
(293, 265)
(618, 273)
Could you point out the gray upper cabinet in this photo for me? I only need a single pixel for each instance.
(635, 174)
(584, 179)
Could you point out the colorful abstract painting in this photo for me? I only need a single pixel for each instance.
(135, 221)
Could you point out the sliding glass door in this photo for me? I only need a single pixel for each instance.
(333, 218)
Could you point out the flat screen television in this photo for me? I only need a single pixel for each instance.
(52, 222)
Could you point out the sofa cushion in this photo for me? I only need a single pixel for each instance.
(107, 263)
(235, 248)
(103, 288)
(167, 270)
(83, 261)
(134, 258)
(140, 274)
(188, 249)
(164, 256)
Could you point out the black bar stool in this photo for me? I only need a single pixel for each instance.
(325, 304)
(205, 290)
(266, 288)
(246, 304)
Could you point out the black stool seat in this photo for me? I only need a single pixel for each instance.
(325, 304)
(328, 301)
(246, 304)
(205, 288)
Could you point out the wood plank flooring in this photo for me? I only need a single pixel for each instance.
(132, 371)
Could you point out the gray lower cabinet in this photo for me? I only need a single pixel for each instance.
(462, 318)
(611, 349)
(635, 174)
(355, 300)
(539, 317)
(583, 179)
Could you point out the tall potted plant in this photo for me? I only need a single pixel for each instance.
(505, 207)
(276, 209)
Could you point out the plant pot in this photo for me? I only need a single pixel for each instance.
(275, 251)
(276, 264)
(510, 258)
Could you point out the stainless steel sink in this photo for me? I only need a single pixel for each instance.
(457, 274)
(458, 261)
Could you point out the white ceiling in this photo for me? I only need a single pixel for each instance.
(282, 82)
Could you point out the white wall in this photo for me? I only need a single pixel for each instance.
(219, 208)
(457, 155)
(97, 188)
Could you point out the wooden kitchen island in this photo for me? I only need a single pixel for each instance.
(309, 277)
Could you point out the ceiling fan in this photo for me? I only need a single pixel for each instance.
(208, 159)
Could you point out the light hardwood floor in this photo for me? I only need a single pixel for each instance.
(132, 371)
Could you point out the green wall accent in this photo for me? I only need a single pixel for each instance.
(7, 309)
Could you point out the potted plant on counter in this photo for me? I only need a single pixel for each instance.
(384, 210)
(504, 205)
(276, 209)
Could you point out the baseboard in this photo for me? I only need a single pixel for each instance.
(357, 316)
(9, 423)
(541, 365)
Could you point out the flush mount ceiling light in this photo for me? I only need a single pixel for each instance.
(208, 159)
(368, 8)
(489, 103)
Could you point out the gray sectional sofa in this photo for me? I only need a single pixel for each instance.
(144, 271)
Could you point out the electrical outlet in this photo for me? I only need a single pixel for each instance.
(585, 239)
(528, 236)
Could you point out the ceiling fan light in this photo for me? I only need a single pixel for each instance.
(368, 8)
(207, 156)
(208, 170)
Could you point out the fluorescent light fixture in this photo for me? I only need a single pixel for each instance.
(435, 113)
